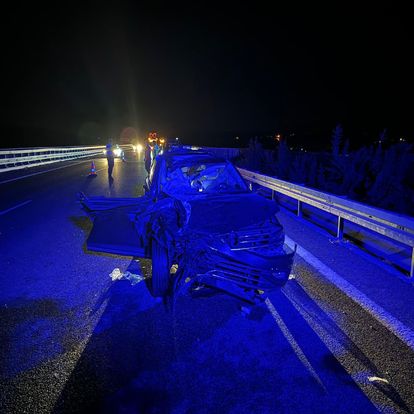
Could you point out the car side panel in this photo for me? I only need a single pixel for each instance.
(115, 232)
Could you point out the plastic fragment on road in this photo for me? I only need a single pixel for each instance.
(245, 310)
(116, 274)
(133, 273)
(378, 379)
(133, 278)
(198, 287)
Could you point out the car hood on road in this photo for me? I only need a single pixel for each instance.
(229, 212)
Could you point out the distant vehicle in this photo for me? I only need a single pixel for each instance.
(117, 150)
(201, 226)
(137, 148)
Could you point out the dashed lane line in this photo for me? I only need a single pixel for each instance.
(14, 208)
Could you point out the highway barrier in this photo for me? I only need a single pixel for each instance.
(18, 158)
(392, 225)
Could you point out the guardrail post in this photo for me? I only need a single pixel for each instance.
(340, 229)
(299, 211)
(389, 224)
(251, 186)
(273, 195)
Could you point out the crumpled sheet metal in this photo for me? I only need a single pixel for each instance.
(216, 240)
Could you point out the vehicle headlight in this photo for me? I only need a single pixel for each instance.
(117, 152)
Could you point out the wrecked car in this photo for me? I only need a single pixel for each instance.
(201, 226)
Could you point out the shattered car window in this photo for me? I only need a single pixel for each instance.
(202, 178)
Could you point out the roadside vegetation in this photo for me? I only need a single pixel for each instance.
(380, 175)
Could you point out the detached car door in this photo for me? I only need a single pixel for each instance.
(116, 225)
(120, 224)
(116, 231)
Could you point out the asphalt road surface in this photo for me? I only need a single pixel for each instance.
(72, 340)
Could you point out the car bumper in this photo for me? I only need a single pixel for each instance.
(244, 270)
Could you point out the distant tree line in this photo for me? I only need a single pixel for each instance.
(381, 175)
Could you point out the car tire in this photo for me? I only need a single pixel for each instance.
(160, 269)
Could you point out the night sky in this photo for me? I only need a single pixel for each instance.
(205, 74)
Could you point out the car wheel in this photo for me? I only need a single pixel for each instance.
(160, 269)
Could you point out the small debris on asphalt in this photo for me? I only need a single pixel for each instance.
(198, 287)
(134, 278)
(378, 379)
(116, 274)
(245, 310)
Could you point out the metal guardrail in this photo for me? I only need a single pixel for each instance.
(18, 158)
(392, 225)
(226, 153)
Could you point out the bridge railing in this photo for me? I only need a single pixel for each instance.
(18, 158)
(395, 226)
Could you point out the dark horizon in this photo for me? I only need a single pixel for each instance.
(309, 141)
(72, 76)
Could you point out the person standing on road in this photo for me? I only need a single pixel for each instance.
(147, 157)
(110, 157)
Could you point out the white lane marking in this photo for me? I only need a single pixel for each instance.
(402, 331)
(295, 346)
(14, 208)
(40, 172)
